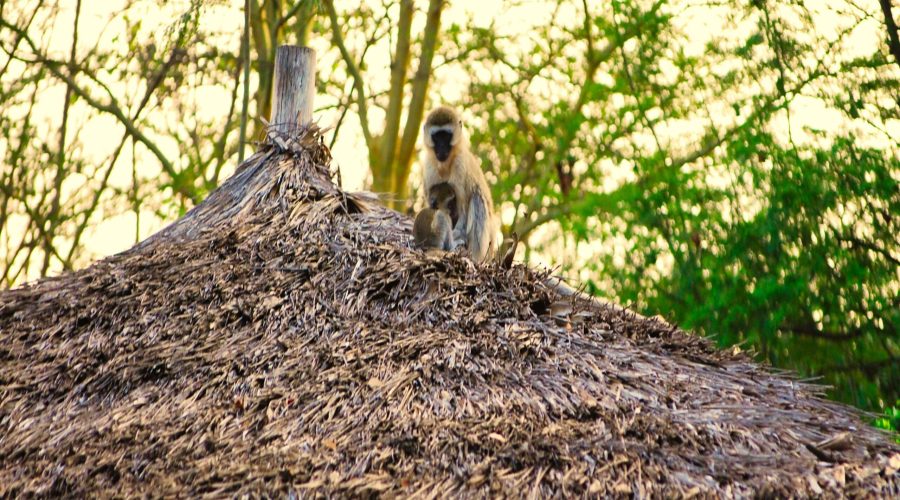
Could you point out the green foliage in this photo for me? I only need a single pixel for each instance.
(185, 27)
(890, 421)
(760, 228)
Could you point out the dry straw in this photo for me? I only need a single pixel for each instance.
(285, 338)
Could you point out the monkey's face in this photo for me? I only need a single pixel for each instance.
(443, 143)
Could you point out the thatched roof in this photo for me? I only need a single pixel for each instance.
(286, 337)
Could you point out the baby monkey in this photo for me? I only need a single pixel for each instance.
(434, 225)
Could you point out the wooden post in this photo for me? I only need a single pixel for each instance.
(294, 87)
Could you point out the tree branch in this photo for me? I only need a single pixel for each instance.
(111, 108)
(245, 100)
(869, 368)
(809, 330)
(891, 25)
(18, 40)
(353, 68)
(566, 208)
(344, 104)
(220, 145)
(61, 154)
(856, 242)
(398, 82)
(593, 59)
(293, 11)
(153, 84)
(419, 89)
(265, 44)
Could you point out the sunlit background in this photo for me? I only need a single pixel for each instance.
(731, 166)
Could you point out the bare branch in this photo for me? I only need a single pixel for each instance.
(353, 68)
(112, 108)
(245, 102)
(891, 25)
(420, 86)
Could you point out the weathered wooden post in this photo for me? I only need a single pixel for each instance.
(292, 109)
(294, 88)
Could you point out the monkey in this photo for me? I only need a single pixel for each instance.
(433, 229)
(443, 197)
(434, 225)
(449, 160)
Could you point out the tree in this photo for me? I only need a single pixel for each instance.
(175, 162)
(53, 192)
(390, 150)
(681, 176)
(269, 24)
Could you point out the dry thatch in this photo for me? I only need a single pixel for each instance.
(284, 337)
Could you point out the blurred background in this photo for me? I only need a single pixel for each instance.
(729, 165)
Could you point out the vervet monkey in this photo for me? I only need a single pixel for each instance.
(448, 159)
(434, 225)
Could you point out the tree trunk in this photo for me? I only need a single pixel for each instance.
(416, 110)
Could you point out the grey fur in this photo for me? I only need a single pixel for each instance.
(433, 229)
(475, 226)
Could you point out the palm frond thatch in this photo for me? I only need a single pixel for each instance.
(285, 338)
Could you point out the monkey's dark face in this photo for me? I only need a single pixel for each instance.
(442, 140)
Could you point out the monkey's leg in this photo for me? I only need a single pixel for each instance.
(457, 238)
(459, 234)
(478, 228)
(448, 244)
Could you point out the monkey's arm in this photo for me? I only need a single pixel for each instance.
(478, 228)
(449, 244)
